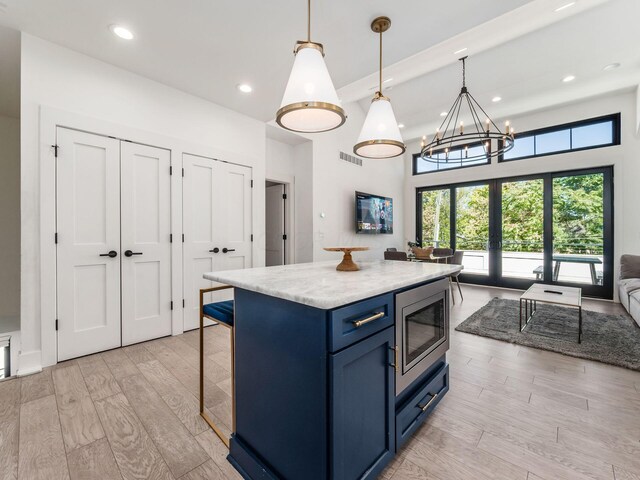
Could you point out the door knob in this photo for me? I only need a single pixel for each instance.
(129, 253)
(225, 250)
(111, 254)
(215, 250)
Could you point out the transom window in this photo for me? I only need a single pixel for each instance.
(586, 134)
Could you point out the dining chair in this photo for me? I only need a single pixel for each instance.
(401, 256)
(457, 260)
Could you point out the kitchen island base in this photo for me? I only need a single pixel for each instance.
(315, 389)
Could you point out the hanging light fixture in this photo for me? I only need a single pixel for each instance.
(380, 136)
(455, 143)
(310, 103)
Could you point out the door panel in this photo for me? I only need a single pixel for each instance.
(88, 225)
(146, 228)
(274, 230)
(217, 215)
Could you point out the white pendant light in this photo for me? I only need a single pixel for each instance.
(310, 103)
(380, 136)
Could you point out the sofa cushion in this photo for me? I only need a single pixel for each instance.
(629, 266)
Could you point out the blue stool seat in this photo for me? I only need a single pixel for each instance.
(221, 311)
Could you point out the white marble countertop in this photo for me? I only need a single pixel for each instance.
(320, 285)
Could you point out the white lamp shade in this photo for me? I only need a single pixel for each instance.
(310, 103)
(380, 136)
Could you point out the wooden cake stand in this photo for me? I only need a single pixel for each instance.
(347, 264)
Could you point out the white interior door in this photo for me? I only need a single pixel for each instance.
(146, 247)
(88, 226)
(274, 223)
(217, 227)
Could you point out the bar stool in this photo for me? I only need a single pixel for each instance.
(222, 313)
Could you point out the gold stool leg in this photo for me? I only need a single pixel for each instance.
(204, 414)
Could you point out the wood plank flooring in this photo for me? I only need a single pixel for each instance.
(513, 413)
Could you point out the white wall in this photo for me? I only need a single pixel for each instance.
(336, 181)
(625, 159)
(54, 76)
(10, 224)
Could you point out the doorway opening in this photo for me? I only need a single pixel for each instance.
(278, 244)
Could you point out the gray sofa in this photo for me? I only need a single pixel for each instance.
(629, 285)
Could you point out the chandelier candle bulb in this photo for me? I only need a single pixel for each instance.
(461, 128)
(488, 123)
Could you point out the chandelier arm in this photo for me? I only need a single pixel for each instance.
(456, 105)
(485, 113)
(455, 124)
(449, 112)
(475, 117)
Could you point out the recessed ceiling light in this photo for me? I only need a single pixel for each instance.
(401, 125)
(244, 88)
(565, 6)
(496, 99)
(444, 114)
(569, 78)
(462, 50)
(611, 66)
(122, 32)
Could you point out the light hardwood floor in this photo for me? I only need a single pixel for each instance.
(512, 413)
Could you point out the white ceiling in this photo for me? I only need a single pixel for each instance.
(519, 49)
(9, 72)
(207, 47)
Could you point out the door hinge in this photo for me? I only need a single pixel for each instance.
(171, 304)
(183, 172)
(55, 238)
(55, 150)
(183, 303)
(284, 237)
(251, 183)
(170, 170)
(252, 237)
(284, 196)
(171, 238)
(56, 324)
(183, 238)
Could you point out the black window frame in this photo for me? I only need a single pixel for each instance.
(615, 118)
(418, 155)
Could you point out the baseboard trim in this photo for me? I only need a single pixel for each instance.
(29, 363)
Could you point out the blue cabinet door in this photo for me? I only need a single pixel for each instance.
(362, 408)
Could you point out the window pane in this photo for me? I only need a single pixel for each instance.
(472, 227)
(436, 207)
(522, 147)
(592, 135)
(578, 228)
(523, 229)
(553, 142)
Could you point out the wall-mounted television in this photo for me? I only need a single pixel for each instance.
(374, 214)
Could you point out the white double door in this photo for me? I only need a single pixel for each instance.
(113, 243)
(217, 227)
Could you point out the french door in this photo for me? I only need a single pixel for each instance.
(555, 228)
(217, 226)
(113, 250)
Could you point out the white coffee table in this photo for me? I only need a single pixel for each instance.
(538, 292)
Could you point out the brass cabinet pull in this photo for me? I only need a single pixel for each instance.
(364, 321)
(426, 407)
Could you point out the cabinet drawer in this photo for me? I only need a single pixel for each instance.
(355, 322)
(416, 409)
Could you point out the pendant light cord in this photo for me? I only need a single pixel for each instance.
(309, 20)
(380, 63)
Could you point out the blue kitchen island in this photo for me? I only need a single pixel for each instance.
(335, 370)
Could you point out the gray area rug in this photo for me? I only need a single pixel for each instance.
(606, 338)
